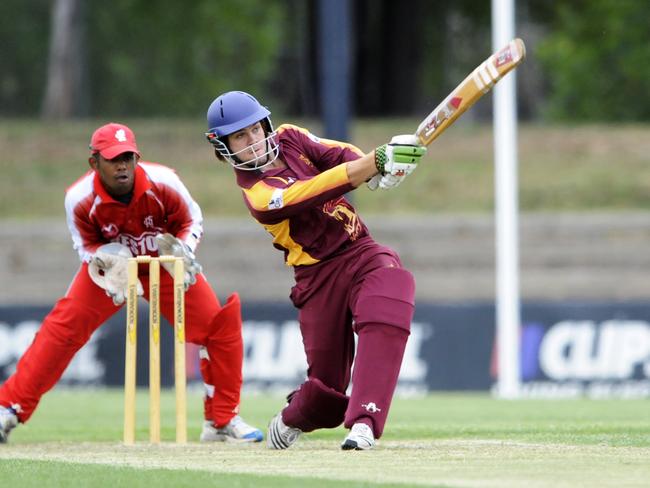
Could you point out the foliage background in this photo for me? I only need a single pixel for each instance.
(587, 58)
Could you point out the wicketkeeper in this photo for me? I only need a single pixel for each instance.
(294, 184)
(123, 207)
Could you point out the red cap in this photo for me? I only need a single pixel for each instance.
(113, 139)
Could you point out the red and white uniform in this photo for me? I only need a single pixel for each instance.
(160, 204)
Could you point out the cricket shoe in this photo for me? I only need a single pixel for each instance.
(234, 431)
(281, 436)
(8, 421)
(360, 438)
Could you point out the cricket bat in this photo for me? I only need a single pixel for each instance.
(478, 83)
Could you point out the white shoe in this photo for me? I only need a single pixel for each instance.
(279, 435)
(8, 421)
(236, 430)
(360, 438)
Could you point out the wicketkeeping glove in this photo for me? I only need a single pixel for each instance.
(396, 160)
(108, 270)
(168, 245)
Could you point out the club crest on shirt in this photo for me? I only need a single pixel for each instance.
(277, 199)
(148, 221)
(341, 211)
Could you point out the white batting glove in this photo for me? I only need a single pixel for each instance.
(396, 160)
(108, 270)
(168, 245)
(388, 182)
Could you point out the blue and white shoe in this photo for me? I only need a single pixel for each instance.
(280, 435)
(234, 431)
(360, 438)
(8, 421)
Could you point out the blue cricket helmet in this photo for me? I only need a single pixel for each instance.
(234, 111)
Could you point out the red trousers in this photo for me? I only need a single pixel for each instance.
(85, 307)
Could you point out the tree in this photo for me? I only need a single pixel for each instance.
(65, 66)
(175, 58)
(597, 60)
(23, 52)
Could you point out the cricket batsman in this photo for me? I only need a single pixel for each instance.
(121, 208)
(294, 185)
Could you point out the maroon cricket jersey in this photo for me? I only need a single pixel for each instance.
(302, 206)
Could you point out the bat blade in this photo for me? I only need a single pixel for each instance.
(474, 86)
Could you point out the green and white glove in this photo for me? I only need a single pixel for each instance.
(168, 245)
(396, 160)
(108, 270)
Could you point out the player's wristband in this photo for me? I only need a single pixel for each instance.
(380, 158)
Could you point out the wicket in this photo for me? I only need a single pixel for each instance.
(154, 348)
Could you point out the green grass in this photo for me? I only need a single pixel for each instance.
(562, 168)
(452, 440)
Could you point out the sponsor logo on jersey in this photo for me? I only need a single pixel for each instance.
(277, 200)
(305, 160)
(143, 244)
